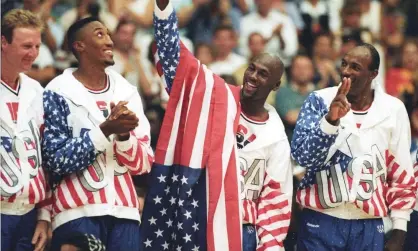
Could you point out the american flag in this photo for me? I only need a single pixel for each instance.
(193, 202)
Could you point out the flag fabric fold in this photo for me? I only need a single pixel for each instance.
(193, 202)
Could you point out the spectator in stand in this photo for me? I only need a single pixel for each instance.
(139, 12)
(353, 17)
(371, 16)
(53, 34)
(226, 60)
(204, 53)
(85, 8)
(400, 79)
(318, 18)
(208, 16)
(393, 28)
(127, 57)
(411, 11)
(290, 98)
(277, 28)
(326, 74)
(290, 9)
(43, 68)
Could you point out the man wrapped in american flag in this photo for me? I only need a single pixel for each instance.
(193, 202)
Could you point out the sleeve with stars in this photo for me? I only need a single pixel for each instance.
(313, 135)
(168, 42)
(62, 153)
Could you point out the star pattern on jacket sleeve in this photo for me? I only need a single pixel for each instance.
(63, 154)
(168, 46)
(310, 145)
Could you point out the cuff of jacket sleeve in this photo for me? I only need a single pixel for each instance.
(400, 218)
(327, 128)
(44, 214)
(399, 224)
(99, 139)
(124, 145)
(163, 14)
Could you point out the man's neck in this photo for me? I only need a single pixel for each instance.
(123, 51)
(264, 14)
(223, 57)
(318, 59)
(91, 77)
(9, 76)
(302, 88)
(314, 2)
(361, 102)
(254, 109)
(32, 8)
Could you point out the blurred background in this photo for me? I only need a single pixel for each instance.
(310, 36)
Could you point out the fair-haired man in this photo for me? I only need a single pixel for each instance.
(23, 181)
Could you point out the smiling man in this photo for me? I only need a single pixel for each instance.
(263, 150)
(92, 146)
(354, 142)
(23, 181)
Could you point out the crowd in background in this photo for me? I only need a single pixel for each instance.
(310, 36)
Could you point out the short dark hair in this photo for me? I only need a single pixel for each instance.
(324, 34)
(122, 23)
(74, 29)
(230, 79)
(223, 27)
(300, 54)
(374, 54)
(350, 35)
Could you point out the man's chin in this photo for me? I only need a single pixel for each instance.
(110, 62)
(245, 94)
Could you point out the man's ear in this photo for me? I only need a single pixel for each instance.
(4, 42)
(277, 85)
(79, 46)
(374, 74)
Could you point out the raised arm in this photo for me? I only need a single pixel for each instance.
(313, 135)
(167, 40)
(317, 127)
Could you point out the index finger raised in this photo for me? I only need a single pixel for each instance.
(345, 86)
